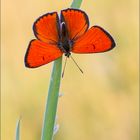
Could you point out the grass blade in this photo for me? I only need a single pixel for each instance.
(53, 94)
(18, 130)
(51, 106)
(76, 4)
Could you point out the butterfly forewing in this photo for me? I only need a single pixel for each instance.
(76, 22)
(95, 40)
(46, 27)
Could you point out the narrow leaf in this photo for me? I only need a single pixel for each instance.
(53, 94)
(76, 3)
(51, 105)
(18, 130)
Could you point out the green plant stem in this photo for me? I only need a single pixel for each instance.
(76, 4)
(18, 130)
(53, 94)
(51, 106)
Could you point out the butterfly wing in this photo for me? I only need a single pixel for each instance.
(45, 49)
(46, 27)
(40, 53)
(95, 40)
(76, 22)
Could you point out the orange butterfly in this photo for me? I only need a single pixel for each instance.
(66, 34)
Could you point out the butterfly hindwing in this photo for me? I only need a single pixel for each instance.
(76, 22)
(95, 40)
(46, 27)
(40, 53)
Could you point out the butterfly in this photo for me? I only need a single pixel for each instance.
(65, 34)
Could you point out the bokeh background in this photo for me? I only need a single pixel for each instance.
(101, 104)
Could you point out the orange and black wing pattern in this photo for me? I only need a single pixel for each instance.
(95, 40)
(47, 30)
(44, 49)
(76, 22)
(40, 53)
(46, 27)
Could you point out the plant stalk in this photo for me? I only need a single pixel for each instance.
(51, 106)
(53, 93)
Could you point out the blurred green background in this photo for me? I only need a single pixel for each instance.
(102, 104)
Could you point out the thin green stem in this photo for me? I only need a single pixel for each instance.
(18, 130)
(53, 94)
(51, 106)
(76, 4)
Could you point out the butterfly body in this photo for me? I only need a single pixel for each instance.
(69, 33)
(65, 44)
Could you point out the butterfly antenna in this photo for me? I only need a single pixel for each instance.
(76, 64)
(64, 67)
